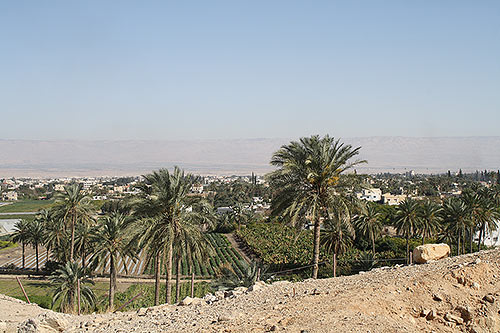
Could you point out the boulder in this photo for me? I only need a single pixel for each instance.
(191, 301)
(424, 253)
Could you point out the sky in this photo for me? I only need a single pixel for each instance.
(165, 70)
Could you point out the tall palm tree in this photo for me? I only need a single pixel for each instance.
(65, 281)
(83, 235)
(308, 181)
(56, 238)
(474, 205)
(74, 206)
(188, 241)
(45, 217)
(22, 234)
(161, 201)
(407, 221)
(111, 240)
(430, 219)
(488, 213)
(368, 222)
(456, 219)
(338, 232)
(36, 236)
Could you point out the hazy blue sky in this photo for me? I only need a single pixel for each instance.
(243, 69)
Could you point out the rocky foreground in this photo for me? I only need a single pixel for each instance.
(459, 294)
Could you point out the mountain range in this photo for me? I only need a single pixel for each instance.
(62, 158)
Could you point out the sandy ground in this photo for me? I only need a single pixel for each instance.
(461, 293)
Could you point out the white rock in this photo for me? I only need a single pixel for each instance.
(424, 253)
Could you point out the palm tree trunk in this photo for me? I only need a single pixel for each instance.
(458, 245)
(471, 238)
(178, 280)
(112, 283)
(373, 245)
(316, 249)
(157, 278)
(72, 238)
(168, 292)
(192, 282)
(408, 248)
(23, 256)
(36, 255)
(83, 256)
(480, 235)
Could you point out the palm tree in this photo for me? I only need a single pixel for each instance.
(45, 216)
(162, 200)
(430, 219)
(74, 207)
(308, 181)
(456, 219)
(22, 234)
(112, 239)
(488, 213)
(188, 241)
(368, 223)
(338, 232)
(36, 236)
(65, 281)
(407, 221)
(83, 234)
(56, 238)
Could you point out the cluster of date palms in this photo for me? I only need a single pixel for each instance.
(159, 221)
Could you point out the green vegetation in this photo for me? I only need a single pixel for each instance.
(26, 206)
(148, 292)
(278, 245)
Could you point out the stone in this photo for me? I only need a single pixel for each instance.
(489, 298)
(424, 253)
(465, 312)
(431, 315)
(142, 312)
(453, 319)
(186, 301)
(210, 298)
(424, 312)
(220, 295)
(437, 297)
(475, 285)
(258, 285)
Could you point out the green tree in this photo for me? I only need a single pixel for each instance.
(456, 219)
(430, 219)
(407, 221)
(56, 238)
(22, 234)
(65, 282)
(308, 182)
(368, 222)
(111, 240)
(162, 199)
(74, 206)
(36, 237)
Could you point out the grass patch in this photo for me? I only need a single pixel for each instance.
(26, 206)
(40, 291)
(28, 217)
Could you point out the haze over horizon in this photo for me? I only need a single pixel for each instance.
(60, 158)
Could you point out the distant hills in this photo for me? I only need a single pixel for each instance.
(39, 158)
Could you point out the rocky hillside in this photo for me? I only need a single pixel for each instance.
(459, 294)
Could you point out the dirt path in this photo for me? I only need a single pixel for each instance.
(237, 246)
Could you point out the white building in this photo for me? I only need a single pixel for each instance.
(372, 194)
